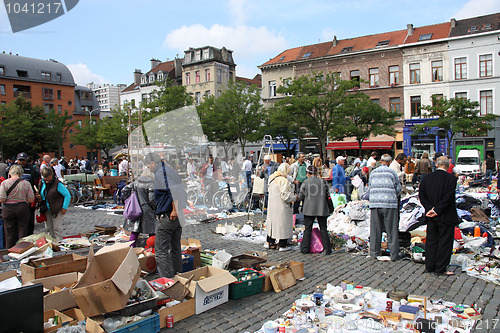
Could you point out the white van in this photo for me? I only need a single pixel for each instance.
(469, 163)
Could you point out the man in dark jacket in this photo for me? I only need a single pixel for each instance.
(170, 200)
(437, 195)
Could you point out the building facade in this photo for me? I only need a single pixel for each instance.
(108, 97)
(206, 71)
(47, 83)
(402, 70)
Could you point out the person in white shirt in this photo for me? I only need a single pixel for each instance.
(191, 168)
(247, 168)
(372, 159)
(54, 163)
(123, 167)
(397, 165)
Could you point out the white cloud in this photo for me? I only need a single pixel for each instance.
(244, 40)
(477, 8)
(83, 75)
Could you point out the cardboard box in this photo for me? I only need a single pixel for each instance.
(108, 281)
(211, 291)
(60, 300)
(147, 260)
(178, 312)
(75, 313)
(63, 320)
(37, 269)
(296, 267)
(194, 249)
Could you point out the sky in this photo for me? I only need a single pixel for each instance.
(104, 41)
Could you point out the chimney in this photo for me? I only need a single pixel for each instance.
(154, 62)
(137, 76)
(335, 41)
(409, 27)
(453, 23)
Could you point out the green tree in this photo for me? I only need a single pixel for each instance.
(166, 98)
(237, 112)
(86, 135)
(112, 131)
(22, 128)
(362, 118)
(215, 126)
(58, 126)
(279, 125)
(454, 115)
(314, 100)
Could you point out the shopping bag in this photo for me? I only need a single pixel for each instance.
(132, 209)
(338, 199)
(316, 246)
(354, 194)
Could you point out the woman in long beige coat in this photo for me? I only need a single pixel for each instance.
(279, 212)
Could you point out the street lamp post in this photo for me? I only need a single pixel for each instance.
(90, 113)
(90, 121)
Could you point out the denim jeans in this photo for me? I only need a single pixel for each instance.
(489, 174)
(168, 247)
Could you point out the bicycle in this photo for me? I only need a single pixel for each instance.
(79, 192)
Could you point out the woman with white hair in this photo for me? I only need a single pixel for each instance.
(16, 195)
(279, 222)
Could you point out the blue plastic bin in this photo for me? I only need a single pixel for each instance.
(150, 324)
(187, 263)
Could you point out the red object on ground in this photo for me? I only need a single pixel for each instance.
(150, 243)
(458, 234)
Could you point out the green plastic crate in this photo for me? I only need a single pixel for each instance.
(246, 288)
(150, 324)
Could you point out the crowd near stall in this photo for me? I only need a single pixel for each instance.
(147, 275)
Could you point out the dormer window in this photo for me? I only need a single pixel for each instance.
(206, 53)
(383, 42)
(197, 55)
(151, 78)
(188, 56)
(306, 55)
(2, 70)
(144, 79)
(46, 76)
(21, 73)
(425, 37)
(160, 75)
(347, 49)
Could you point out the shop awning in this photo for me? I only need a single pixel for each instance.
(341, 145)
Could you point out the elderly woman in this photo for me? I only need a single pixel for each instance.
(16, 195)
(56, 196)
(313, 193)
(280, 213)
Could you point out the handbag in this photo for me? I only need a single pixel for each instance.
(132, 210)
(329, 202)
(316, 245)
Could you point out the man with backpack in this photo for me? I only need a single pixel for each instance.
(170, 199)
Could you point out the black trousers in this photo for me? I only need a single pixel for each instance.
(438, 246)
(306, 239)
(296, 204)
(281, 242)
(15, 222)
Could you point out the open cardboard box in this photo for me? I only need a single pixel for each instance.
(108, 281)
(209, 292)
(62, 299)
(193, 247)
(40, 268)
(147, 260)
(63, 320)
(296, 267)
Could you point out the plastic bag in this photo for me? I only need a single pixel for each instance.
(316, 246)
(338, 199)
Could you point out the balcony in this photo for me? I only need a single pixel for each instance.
(26, 94)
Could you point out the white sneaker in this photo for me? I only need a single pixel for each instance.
(266, 245)
(283, 249)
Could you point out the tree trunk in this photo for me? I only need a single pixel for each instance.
(360, 149)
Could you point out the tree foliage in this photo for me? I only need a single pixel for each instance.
(58, 128)
(24, 128)
(112, 131)
(235, 115)
(314, 100)
(86, 135)
(280, 126)
(166, 98)
(454, 115)
(361, 117)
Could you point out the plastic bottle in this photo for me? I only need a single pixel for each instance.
(282, 328)
(477, 231)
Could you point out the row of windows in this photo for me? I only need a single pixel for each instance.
(196, 55)
(47, 93)
(208, 77)
(485, 102)
(47, 76)
(152, 77)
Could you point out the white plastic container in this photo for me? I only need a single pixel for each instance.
(221, 259)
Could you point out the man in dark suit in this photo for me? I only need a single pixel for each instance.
(437, 195)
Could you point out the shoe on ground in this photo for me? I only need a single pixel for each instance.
(384, 258)
(266, 245)
(283, 249)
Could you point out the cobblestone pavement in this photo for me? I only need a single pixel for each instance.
(249, 313)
